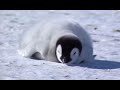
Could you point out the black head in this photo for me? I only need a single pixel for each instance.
(68, 48)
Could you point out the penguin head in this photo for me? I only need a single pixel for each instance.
(68, 49)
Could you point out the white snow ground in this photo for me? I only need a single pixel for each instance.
(103, 26)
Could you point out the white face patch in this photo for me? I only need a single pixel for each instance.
(59, 52)
(74, 55)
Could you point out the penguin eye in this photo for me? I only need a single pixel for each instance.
(74, 53)
(58, 51)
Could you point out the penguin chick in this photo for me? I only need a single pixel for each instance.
(63, 41)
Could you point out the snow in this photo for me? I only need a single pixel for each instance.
(102, 25)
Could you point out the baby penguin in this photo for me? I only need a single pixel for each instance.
(59, 40)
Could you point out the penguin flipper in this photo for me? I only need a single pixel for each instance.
(37, 56)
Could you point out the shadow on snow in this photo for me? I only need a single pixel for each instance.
(100, 64)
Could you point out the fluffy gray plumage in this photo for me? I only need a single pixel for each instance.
(42, 38)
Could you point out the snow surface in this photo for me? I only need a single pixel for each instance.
(102, 25)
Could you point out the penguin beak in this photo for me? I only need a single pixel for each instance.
(63, 60)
